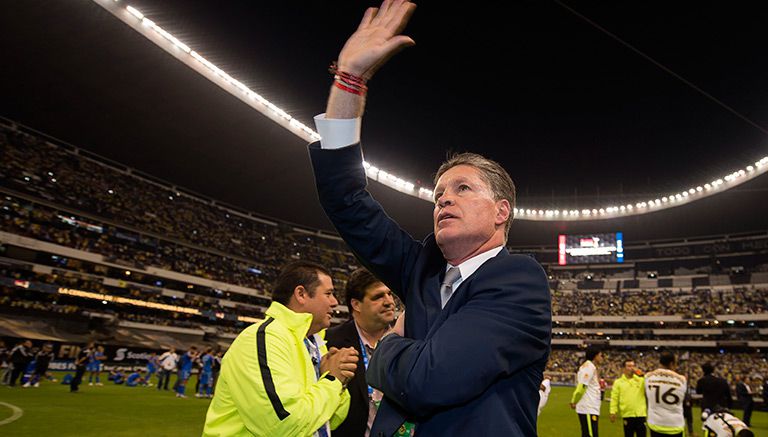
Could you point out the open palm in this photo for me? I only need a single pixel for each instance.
(377, 38)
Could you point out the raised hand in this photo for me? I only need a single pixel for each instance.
(377, 38)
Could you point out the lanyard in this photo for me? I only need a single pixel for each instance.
(314, 352)
(365, 363)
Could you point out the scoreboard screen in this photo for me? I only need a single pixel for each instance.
(590, 249)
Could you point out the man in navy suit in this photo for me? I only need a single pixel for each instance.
(478, 324)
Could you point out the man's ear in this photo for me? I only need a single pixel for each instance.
(355, 304)
(300, 294)
(503, 211)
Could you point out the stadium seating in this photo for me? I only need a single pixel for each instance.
(89, 240)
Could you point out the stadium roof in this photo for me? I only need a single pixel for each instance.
(576, 115)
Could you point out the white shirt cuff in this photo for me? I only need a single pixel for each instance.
(337, 133)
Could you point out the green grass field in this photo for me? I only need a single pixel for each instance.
(114, 410)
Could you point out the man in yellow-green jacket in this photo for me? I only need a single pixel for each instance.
(628, 400)
(278, 378)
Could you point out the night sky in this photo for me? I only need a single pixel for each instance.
(577, 117)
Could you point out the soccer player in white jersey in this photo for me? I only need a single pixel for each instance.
(665, 391)
(586, 396)
(723, 424)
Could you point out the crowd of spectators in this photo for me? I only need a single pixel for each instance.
(699, 302)
(198, 298)
(48, 307)
(40, 292)
(161, 226)
(67, 272)
(44, 223)
(128, 248)
(140, 222)
(59, 194)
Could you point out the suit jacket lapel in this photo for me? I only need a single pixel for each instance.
(432, 298)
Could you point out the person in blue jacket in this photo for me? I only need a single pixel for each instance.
(134, 379)
(205, 388)
(186, 363)
(152, 365)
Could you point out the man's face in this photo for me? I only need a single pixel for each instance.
(377, 307)
(629, 368)
(321, 305)
(465, 214)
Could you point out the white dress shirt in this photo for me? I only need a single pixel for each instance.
(471, 265)
(337, 132)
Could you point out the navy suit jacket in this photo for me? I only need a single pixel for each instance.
(471, 368)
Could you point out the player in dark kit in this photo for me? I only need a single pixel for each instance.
(80, 363)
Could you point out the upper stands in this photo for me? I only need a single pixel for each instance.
(84, 237)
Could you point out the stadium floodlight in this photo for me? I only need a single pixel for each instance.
(135, 12)
(165, 40)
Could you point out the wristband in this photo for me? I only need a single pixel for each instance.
(348, 82)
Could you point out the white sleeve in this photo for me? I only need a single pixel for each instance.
(337, 133)
(544, 395)
(585, 374)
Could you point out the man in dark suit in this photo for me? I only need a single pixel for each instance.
(81, 360)
(478, 320)
(744, 396)
(372, 311)
(715, 392)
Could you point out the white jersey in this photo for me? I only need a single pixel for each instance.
(590, 402)
(544, 394)
(168, 361)
(723, 425)
(665, 392)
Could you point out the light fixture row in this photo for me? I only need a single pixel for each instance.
(181, 51)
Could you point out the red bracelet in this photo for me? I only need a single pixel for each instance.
(359, 81)
(340, 85)
(347, 81)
